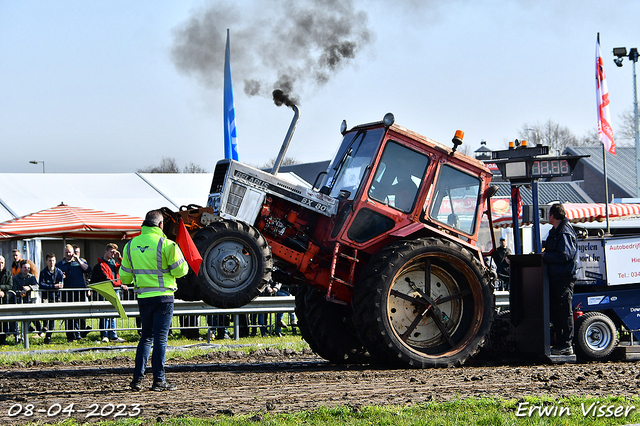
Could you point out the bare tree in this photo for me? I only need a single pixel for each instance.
(169, 165)
(194, 168)
(288, 161)
(465, 149)
(551, 134)
(625, 134)
(591, 138)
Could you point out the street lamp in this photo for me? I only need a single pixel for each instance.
(36, 162)
(619, 53)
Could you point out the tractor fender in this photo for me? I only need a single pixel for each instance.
(416, 229)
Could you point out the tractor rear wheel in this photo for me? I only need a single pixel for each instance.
(423, 303)
(236, 263)
(331, 328)
(303, 323)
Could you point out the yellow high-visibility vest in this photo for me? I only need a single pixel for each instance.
(152, 262)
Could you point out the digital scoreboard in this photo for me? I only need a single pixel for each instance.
(527, 168)
(550, 168)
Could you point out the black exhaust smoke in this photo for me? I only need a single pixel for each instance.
(280, 98)
(293, 46)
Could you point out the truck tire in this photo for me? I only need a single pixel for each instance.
(403, 324)
(236, 263)
(330, 328)
(596, 336)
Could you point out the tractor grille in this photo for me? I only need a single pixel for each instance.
(218, 178)
(236, 194)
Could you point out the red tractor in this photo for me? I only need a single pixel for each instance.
(384, 247)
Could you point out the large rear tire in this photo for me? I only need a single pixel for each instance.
(423, 303)
(236, 263)
(330, 328)
(596, 336)
(303, 322)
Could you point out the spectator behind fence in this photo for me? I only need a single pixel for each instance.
(6, 285)
(51, 281)
(26, 287)
(15, 265)
(73, 268)
(275, 289)
(87, 273)
(108, 269)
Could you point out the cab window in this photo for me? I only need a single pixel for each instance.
(398, 177)
(455, 199)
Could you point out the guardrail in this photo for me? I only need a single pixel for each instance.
(28, 312)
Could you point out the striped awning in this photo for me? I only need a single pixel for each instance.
(576, 212)
(598, 213)
(71, 222)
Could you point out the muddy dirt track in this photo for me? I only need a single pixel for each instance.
(281, 381)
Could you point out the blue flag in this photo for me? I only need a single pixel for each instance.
(230, 141)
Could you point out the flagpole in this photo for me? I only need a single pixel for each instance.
(606, 186)
(605, 132)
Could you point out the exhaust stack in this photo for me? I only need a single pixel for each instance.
(279, 97)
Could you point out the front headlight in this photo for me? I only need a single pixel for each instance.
(214, 203)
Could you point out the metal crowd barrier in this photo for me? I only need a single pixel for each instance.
(42, 310)
(25, 313)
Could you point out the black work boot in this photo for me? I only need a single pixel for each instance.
(163, 386)
(136, 384)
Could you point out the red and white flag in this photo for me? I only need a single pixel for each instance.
(602, 93)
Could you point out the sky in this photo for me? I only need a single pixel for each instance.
(115, 86)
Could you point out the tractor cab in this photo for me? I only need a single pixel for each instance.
(389, 180)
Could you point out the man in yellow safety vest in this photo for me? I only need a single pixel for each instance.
(152, 262)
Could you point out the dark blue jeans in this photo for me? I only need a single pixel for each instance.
(155, 316)
(109, 324)
(280, 315)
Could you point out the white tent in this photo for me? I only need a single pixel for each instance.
(126, 193)
(133, 194)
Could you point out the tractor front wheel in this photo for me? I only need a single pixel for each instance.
(236, 263)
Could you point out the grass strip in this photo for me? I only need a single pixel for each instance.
(90, 349)
(469, 411)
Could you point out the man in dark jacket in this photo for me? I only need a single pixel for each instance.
(73, 268)
(6, 285)
(26, 286)
(561, 257)
(51, 281)
(108, 269)
(502, 263)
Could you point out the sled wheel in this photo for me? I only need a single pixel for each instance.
(596, 336)
(236, 263)
(423, 303)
